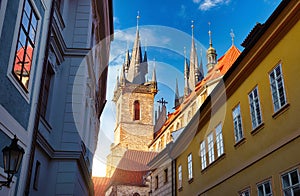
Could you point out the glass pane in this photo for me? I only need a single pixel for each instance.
(34, 22)
(32, 34)
(294, 178)
(25, 21)
(22, 37)
(27, 8)
(285, 181)
(267, 188)
(287, 192)
(296, 191)
(260, 190)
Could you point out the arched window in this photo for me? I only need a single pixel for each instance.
(136, 110)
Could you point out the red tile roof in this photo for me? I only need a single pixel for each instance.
(100, 184)
(132, 167)
(224, 63)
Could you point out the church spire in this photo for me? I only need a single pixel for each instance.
(127, 61)
(137, 69)
(176, 101)
(232, 37)
(186, 75)
(211, 53)
(194, 71)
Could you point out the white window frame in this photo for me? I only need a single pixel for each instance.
(210, 144)
(255, 108)
(190, 166)
(179, 176)
(275, 83)
(203, 154)
(245, 192)
(219, 140)
(290, 186)
(237, 123)
(26, 95)
(263, 185)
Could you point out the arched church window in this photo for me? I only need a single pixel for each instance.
(136, 110)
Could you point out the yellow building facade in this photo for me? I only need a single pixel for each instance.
(244, 139)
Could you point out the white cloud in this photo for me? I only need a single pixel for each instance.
(209, 4)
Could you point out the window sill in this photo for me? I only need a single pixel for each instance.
(258, 128)
(213, 163)
(240, 142)
(191, 180)
(281, 110)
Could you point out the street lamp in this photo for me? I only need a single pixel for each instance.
(12, 158)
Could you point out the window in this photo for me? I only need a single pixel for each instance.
(166, 175)
(210, 142)
(277, 88)
(36, 175)
(237, 123)
(255, 108)
(190, 166)
(245, 193)
(136, 110)
(264, 189)
(156, 182)
(219, 140)
(46, 91)
(290, 183)
(203, 154)
(179, 176)
(25, 46)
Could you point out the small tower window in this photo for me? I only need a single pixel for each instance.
(136, 110)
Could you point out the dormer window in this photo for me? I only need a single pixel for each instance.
(136, 106)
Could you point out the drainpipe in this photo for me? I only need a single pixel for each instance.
(37, 115)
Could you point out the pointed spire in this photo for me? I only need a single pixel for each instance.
(176, 101)
(232, 37)
(137, 19)
(193, 72)
(122, 77)
(154, 72)
(127, 61)
(201, 65)
(137, 71)
(211, 53)
(209, 34)
(186, 75)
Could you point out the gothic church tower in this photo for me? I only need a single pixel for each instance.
(134, 100)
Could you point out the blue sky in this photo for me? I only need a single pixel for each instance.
(165, 28)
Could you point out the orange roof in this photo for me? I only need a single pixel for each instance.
(132, 167)
(223, 65)
(225, 62)
(100, 184)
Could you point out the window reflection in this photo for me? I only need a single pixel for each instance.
(25, 46)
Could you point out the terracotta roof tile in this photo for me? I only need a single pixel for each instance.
(132, 167)
(100, 184)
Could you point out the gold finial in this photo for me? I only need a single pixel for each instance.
(232, 36)
(137, 19)
(192, 26)
(209, 34)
